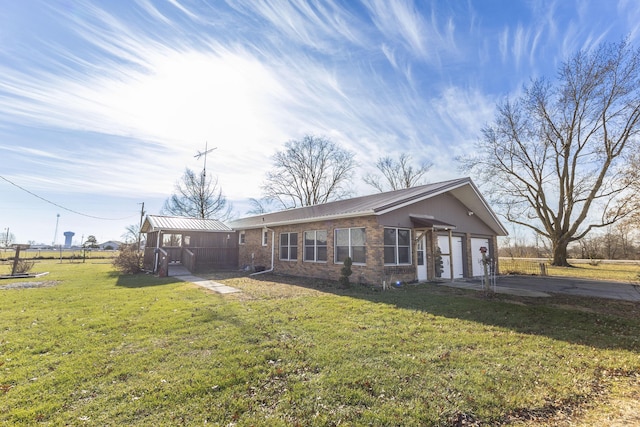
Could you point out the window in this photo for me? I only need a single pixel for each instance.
(265, 237)
(420, 251)
(315, 245)
(397, 246)
(351, 242)
(171, 240)
(289, 246)
(241, 238)
(186, 240)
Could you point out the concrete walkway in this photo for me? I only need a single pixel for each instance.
(536, 286)
(185, 275)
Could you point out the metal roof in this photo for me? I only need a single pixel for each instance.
(178, 223)
(377, 204)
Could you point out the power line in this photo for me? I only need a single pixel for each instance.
(62, 207)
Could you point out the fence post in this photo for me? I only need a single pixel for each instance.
(543, 269)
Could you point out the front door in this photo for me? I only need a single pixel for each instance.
(422, 259)
(449, 258)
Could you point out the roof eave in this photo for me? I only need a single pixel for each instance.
(410, 201)
(304, 220)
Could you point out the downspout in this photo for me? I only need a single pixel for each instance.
(273, 253)
(155, 265)
(451, 254)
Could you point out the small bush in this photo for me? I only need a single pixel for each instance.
(345, 272)
(129, 260)
(23, 266)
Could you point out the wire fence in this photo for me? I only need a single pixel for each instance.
(7, 255)
(524, 267)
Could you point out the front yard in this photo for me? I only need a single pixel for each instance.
(97, 348)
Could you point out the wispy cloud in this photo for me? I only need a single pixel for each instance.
(423, 36)
(102, 98)
(313, 24)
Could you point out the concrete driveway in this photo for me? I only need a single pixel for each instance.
(543, 286)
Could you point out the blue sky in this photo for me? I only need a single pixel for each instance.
(104, 103)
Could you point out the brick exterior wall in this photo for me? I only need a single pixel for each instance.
(253, 254)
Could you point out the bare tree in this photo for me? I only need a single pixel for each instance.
(197, 196)
(309, 171)
(7, 238)
(259, 206)
(132, 235)
(632, 177)
(625, 232)
(553, 157)
(397, 174)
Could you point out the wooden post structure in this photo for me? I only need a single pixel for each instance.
(16, 257)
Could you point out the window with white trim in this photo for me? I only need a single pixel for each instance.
(350, 242)
(265, 237)
(315, 246)
(241, 238)
(289, 246)
(397, 246)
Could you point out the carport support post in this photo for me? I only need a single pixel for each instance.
(486, 286)
(451, 254)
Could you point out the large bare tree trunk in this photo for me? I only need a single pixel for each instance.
(560, 253)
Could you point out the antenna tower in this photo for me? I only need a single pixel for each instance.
(204, 153)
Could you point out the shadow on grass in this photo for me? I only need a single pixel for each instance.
(141, 280)
(579, 320)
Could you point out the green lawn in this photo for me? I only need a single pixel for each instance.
(624, 272)
(97, 348)
(67, 255)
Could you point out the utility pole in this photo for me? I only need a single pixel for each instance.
(142, 212)
(55, 234)
(6, 241)
(204, 153)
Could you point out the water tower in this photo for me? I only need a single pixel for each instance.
(68, 235)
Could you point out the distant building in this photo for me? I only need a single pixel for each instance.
(110, 245)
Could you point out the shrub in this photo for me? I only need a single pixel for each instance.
(23, 266)
(439, 264)
(345, 272)
(129, 260)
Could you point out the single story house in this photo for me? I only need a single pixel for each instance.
(193, 242)
(428, 232)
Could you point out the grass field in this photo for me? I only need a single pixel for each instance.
(91, 347)
(624, 272)
(75, 254)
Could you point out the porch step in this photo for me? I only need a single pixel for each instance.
(178, 270)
